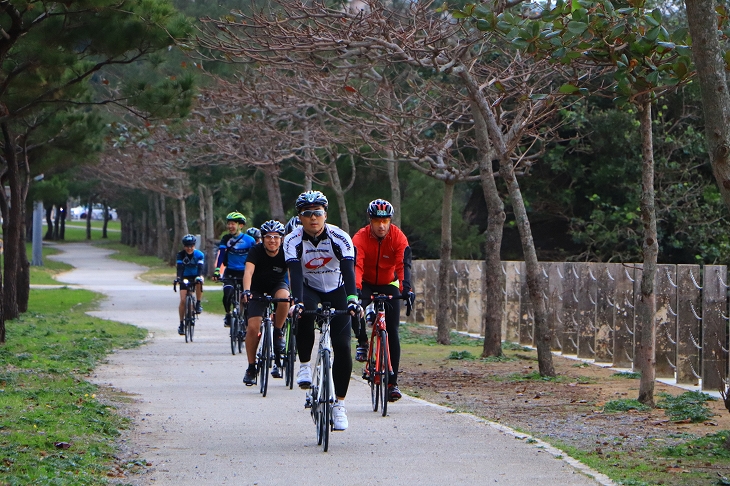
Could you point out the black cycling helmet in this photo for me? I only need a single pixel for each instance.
(254, 233)
(293, 224)
(380, 208)
(189, 240)
(272, 226)
(311, 198)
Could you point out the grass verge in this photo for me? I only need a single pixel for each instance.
(53, 429)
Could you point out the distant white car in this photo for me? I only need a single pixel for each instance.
(97, 213)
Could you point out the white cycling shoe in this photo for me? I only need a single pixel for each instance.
(304, 377)
(339, 417)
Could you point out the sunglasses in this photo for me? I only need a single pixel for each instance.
(312, 212)
(272, 237)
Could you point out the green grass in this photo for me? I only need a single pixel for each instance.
(75, 232)
(688, 406)
(624, 405)
(44, 400)
(630, 375)
(45, 274)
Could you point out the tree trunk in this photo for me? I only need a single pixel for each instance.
(646, 305)
(210, 239)
(23, 275)
(12, 228)
(202, 220)
(49, 222)
(708, 57)
(64, 215)
(493, 298)
(106, 221)
(184, 229)
(339, 195)
(395, 196)
(273, 190)
(443, 318)
(163, 236)
(543, 334)
(89, 211)
(176, 233)
(56, 224)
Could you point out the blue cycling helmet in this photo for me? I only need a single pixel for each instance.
(189, 240)
(272, 226)
(311, 198)
(293, 224)
(254, 233)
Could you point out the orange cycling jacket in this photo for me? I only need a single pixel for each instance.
(380, 262)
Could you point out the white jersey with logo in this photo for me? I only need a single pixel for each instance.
(320, 263)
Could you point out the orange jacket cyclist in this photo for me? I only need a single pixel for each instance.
(383, 265)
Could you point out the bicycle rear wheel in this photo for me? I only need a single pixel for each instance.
(234, 333)
(266, 357)
(383, 371)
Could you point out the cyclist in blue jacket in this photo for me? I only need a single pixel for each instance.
(232, 253)
(189, 267)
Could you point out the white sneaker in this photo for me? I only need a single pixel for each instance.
(304, 377)
(339, 417)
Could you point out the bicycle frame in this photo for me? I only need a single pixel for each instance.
(265, 355)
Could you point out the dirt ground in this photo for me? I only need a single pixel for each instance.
(567, 412)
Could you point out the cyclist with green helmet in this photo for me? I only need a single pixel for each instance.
(232, 253)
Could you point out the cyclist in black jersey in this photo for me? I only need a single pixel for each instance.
(265, 274)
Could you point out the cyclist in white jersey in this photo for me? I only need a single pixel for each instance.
(321, 262)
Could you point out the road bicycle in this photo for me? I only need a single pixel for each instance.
(378, 367)
(190, 305)
(238, 323)
(265, 355)
(321, 395)
(289, 357)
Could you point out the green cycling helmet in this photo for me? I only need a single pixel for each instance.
(237, 217)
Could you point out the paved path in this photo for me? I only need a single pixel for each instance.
(199, 425)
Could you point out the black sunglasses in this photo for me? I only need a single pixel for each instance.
(312, 212)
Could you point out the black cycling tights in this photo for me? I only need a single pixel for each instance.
(339, 332)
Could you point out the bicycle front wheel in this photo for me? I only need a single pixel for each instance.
(383, 371)
(240, 337)
(189, 318)
(291, 357)
(266, 357)
(234, 333)
(372, 370)
(324, 405)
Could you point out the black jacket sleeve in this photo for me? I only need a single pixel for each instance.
(347, 267)
(297, 280)
(407, 270)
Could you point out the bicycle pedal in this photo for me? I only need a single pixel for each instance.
(308, 402)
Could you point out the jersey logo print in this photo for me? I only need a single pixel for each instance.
(315, 263)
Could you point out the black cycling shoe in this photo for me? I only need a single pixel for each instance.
(394, 393)
(180, 330)
(198, 308)
(249, 378)
(279, 342)
(227, 320)
(275, 372)
(361, 353)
